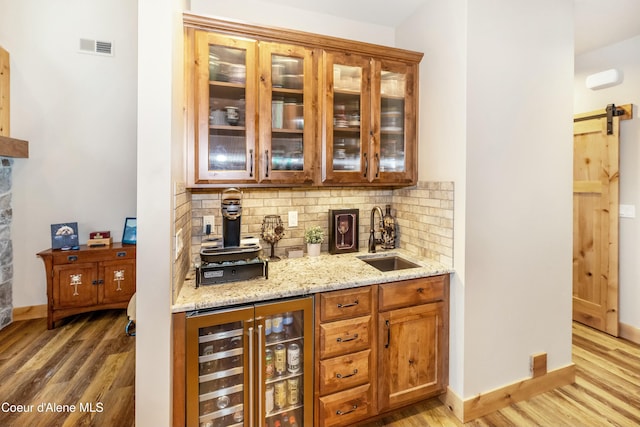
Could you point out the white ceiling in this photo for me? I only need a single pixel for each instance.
(597, 22)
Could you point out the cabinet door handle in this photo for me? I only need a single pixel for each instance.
(251, 162)
(339, 376)
(377, 165)
(251, 380)
(353, 408)
(266, 163)
(94, 283)
(260, 382)
(354, 337)
(356, 302)
(386, 322)
(366, 164)
(72, 258)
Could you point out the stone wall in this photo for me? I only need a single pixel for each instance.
(6, 249)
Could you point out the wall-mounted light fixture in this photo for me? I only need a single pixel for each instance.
(604, 79)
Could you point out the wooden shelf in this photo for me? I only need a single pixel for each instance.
(12, 147)
(9, 147)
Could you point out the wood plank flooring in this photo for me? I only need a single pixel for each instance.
(606, 393)
(87, 362)
(90, 360)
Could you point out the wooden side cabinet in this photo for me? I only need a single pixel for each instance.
(88, 279)
(413, 341)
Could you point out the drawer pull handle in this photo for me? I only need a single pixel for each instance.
(353, 408)
(339, 376)
(121, 254)
(339, 339)
(72, 258)
(420, 290)
(356, 302)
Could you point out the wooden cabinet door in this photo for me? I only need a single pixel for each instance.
(75, 285)
(288, 111)
(346, 118)
(410, 353)
(394, 123)
(224, 77)
(118, 281)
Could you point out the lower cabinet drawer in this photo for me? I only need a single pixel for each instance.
(345, 336)
(343, 372)
(347, 407)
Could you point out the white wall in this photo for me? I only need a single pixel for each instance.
(495, 117)
(271, 14)
(439, 29)
(519, 189)
(624, 56)
(160, 138)
(78, 113)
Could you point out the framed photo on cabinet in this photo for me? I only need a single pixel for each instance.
(343, 230)
(130, 233)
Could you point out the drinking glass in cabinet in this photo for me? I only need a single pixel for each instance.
(286, 72)
(227, 64)
(346, 77)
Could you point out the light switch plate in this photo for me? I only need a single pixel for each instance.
(293, 219)
(627, 211)
(178, 245)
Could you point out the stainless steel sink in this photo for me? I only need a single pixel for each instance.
(389, 263)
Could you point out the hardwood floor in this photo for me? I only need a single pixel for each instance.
(90, 360)
(87, 362)
(606, 393)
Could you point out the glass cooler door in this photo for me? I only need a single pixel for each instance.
(219, 369)
(285, 367)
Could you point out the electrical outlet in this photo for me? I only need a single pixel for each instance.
(208, 220)
(293, 219)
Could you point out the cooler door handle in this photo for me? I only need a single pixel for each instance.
(251, 374)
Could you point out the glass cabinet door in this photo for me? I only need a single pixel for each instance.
(285, 115)
(285, 368)
(219, 369)
(226, 108)
(394, 127)
(346, 156)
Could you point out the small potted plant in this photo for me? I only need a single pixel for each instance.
(313, 237)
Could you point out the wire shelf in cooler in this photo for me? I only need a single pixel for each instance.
(220, 374)
(220, 355)
(220, 335)
(221, 413)
(222, 392)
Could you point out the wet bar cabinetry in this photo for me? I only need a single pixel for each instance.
(273, 107)
(379, 348)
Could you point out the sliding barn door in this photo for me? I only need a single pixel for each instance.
(595, 218)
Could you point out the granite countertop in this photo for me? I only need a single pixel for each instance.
(302, 276)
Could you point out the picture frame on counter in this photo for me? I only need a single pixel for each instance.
(130, 232)
(343, 230)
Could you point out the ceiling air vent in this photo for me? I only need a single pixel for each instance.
(96, 47)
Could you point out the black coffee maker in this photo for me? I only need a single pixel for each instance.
(231, 207)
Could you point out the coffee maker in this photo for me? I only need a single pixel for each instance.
(231, 206)
(230, 258)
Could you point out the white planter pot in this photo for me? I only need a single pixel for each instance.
(313, 249)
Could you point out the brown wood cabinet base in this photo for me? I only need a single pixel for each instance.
(88, 279)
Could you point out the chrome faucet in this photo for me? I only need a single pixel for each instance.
(372, 238)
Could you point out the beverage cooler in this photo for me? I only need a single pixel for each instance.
(251, 366)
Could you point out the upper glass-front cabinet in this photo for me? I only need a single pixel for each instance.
(370, 121)
(225, 98)
(286, 118)
(346, 119)
(394, 124)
